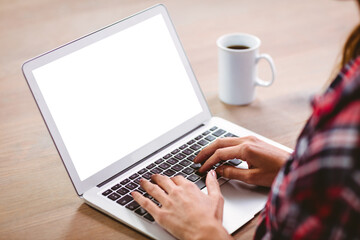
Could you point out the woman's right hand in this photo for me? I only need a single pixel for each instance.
(264, 160)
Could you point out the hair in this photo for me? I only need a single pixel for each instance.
(351, 48)
(350, 51)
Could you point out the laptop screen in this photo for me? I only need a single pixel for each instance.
(117, 94)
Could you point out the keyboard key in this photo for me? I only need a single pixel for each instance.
(188, 171)
(195, 147)
(125, 181)
(210, 138)
(137, 180)
(187, 151)
(159, 161)
(124, 200)
(122, 191)
(116, 187)
(181, 174)
(182, 147)
(142, 171)
(148, 196)
(167, 156)
(135, 175)
(219, 132)
(191, 158)
(203, 142)
(152, 165)
(137, 190)
(230, 135)
(191, 142)
(199, 137)
(156, 170)
(132, 206)
(140, 189)
(193, 177)
(114, 196)
(175, 151)
(177, 167)
(164, 166)
(195, 166)
(141, 211)
(234, 161)
(147, 175)
(169, 172)
(180, 156)
(213, 128)
(107, 192)
(172, 161)
(201, 183)
(149, 217)
(206, 133)
(185, 163)
(131, 186)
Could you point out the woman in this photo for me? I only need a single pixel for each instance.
(315, 191)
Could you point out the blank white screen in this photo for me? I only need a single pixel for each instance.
(114, 96)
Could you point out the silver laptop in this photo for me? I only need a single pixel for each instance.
(123, 103)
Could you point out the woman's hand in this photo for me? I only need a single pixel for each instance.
(186, 212)
(263, 159)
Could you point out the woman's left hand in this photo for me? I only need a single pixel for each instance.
(185, 212)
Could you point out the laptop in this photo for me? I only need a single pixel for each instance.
(123, 103)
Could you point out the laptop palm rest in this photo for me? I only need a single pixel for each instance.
(242, 202)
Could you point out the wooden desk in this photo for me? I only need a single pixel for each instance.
(37, 198)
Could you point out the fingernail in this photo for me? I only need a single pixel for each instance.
(213, 173)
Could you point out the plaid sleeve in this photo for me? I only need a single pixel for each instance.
(316, 195)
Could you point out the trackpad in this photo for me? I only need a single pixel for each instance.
(242, 202)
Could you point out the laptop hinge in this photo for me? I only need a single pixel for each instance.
(147, 157)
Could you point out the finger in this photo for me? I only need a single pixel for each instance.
(154, 190)
(213, 189)
(212, 184)
(220, 210)
(245, 175)
(254, 176)
(164, 182)
(233, 172)
(179, 180)
(221, 154)
(219, 143)
(146, 203)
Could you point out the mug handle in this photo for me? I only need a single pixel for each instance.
(261, 82)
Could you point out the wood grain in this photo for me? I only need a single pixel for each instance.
(37, 199)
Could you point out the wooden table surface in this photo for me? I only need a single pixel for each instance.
(38, 201)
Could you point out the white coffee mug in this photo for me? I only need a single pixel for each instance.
(238, 58)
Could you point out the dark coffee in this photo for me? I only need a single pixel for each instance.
(238, 47)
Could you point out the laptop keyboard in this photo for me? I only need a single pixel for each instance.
(177, 162)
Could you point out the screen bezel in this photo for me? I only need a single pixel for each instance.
(134, 157)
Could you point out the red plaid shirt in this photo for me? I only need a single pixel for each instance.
(316, 194)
